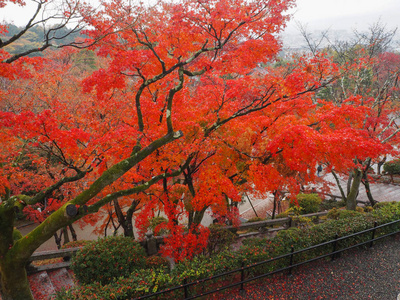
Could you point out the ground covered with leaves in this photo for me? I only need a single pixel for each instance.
(372, 273)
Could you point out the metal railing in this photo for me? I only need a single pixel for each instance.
(333, 244)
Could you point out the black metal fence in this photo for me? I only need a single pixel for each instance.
(331, 248)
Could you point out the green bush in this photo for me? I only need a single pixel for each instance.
(219, 239)
(108, 258)
(392, 167)
(293, 210)
(328, 204)
(337, 214)
(154, 262)
(309, 203)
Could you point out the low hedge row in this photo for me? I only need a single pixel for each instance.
(254, 250)
(107, 259)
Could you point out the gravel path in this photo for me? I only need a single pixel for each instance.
(358, 274)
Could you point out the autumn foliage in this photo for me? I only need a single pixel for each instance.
(182, 108)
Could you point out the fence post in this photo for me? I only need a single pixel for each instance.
(334, 246)
(291, 260)
(373, 234)
(186, 288)
(242, 278)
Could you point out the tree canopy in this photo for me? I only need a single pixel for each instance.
(181, 110)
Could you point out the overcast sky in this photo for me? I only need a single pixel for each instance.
(345, 14)
(318, 14)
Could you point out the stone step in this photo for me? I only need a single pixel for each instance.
(45, 284)
(61, 278)
(41, 286)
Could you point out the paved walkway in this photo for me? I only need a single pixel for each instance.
(380, 191)
(358, 274)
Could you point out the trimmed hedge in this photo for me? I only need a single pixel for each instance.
(107, 259)
(254, 250)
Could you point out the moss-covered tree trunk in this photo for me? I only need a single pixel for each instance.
(354, 188)
(14, 281)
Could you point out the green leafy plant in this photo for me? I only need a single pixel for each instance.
(153, 262)
(308, 203)
(107, 259)
(338, 214)
(392, 167)
(219, 239)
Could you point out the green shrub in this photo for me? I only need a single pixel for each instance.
(359, 209)
(154, 262)
(382, 204)
(337, 214)
(328, 204)
(139, 283)
(219, 239)
(308, 203)
(368, 209)
(302, 222)
(108, 258)
(293, 210)
(392, 167)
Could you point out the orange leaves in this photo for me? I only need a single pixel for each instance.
(213, 188)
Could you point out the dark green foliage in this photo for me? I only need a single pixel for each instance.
(155, 262)
(328, 204)
(309, 203)
(337, 214)
(108, 258)
(392, 167)
(219, 239)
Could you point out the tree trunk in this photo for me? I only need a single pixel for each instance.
(276, 199)
(344, 197)
(353, 193)
(73, 233)
(14, 281)
(380, 164)
(128, 230)
(58, 239)
(66, 235)
(368, 189)
(197, 217)
(349, 182)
